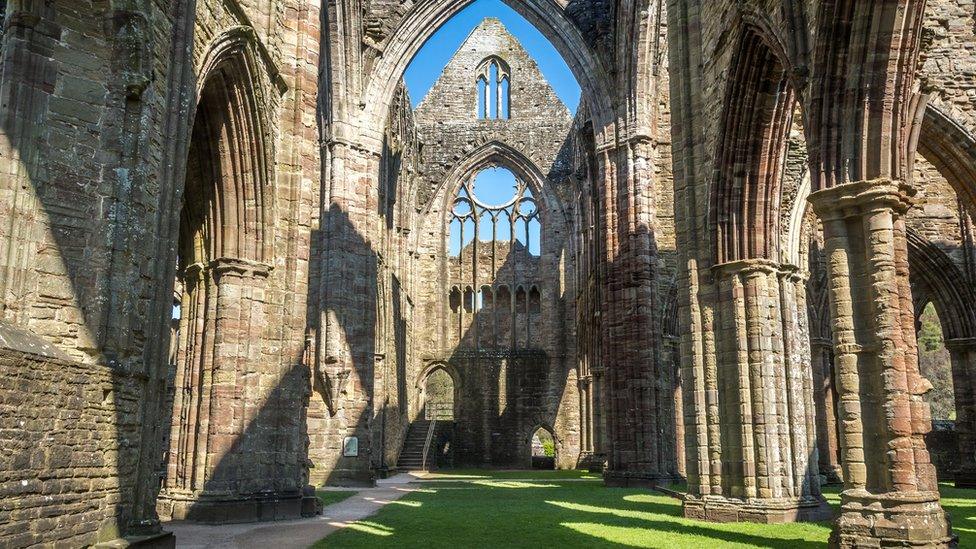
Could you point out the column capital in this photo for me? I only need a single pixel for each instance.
(961, 344)
(746, 267)
(851, 199)
(242, 268)
(195, 271)
(793, 273)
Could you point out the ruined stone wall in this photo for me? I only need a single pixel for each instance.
(98, 105)
(85, 94)
(948, 58)
(376, 401)
(71, 445)
(532, 144)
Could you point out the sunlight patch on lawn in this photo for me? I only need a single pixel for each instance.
(369, 527)
(452, 476)
(406, 503)
(623, 513)
(512, 484)
(651, 498)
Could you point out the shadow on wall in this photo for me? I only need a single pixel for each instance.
(343, 314)
(83, 237)
(506, 384)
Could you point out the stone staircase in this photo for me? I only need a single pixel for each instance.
(412, 455)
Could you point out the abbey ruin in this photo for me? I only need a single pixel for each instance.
(238, 264)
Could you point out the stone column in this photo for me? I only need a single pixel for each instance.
(225, 458)
(826, 407)
(763, 439)
(962, 352)
(192, 361)
(639, 425)
(890, 493)
(679, 407)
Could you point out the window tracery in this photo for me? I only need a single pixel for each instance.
(494, 89)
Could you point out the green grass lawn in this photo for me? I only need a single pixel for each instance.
(547, 509)
(475, 474)
(328, 497)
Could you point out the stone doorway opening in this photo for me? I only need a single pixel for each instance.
(439, 393)
(543, 449)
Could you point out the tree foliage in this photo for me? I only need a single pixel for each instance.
(935, 365)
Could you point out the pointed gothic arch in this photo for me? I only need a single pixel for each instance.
(426, 18)
(746, 195)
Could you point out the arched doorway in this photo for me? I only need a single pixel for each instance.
(543, 445)
(439, 392)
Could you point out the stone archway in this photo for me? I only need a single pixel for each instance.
(543, 447)
(223, 259)
(422, 22)
(439, 393)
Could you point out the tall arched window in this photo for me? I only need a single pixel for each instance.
(494, 85)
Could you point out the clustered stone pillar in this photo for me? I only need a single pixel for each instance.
(223, 466)
(890, 492)
(764, 437)
(639, 421)
(962, 352)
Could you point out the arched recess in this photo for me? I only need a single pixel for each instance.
(224, 255)
(430, 369)
(745, 195)
(951, 148)
(238, 93)
(946, 287)
(757, 301)
(423, 20)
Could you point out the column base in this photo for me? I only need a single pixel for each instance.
(637, 479)
(211, 509)
(831, 475)
(891, 520)
(762, 511)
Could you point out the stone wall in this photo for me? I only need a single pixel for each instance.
(71, 435)
(99, 99)
(524, 345)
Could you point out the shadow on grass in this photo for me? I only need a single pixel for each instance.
(568, 514)
(500, 512)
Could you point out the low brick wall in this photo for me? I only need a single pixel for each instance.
(70, 437)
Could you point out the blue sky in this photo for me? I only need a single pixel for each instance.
(434, 55)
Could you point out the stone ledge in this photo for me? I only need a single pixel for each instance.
(779, 511)
(162, 540)
(22, 341)
(637, 479)
(234, 511)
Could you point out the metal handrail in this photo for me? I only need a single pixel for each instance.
(430, 436)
